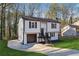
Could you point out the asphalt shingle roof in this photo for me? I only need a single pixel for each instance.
(39, 19)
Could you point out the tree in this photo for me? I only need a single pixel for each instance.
(16, 15)
(32, 8)
(63, 11)
(71, 11)
(53, 11)
(3, 7)
(7, 16)
(1, 21)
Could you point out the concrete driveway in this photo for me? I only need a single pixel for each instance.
(42, 48)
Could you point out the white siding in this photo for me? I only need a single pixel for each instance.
(37, 38)
(36, 30)
(43, 25)
(32, 30)
(55, 37)
(25, 38)
(57, 29)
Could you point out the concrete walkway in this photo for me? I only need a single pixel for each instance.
(50, 51)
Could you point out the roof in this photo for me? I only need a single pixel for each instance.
(76, 26)
(39, 19)
(76, 23)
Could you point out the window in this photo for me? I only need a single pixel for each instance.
(32, 24)
(53, 25)
(52, 34)
(29, 24)
(35, 24)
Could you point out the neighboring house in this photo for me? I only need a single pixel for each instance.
(29, 29)
(70, 30)
(76, 23)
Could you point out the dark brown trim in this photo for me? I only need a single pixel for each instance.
(39, 19)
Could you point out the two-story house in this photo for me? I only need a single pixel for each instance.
(29, 29)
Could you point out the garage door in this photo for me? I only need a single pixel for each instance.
(31, 38)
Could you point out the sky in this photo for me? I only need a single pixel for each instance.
(75, 6)
(45, 6)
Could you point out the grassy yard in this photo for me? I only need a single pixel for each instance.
(5, 51)
(71, 43)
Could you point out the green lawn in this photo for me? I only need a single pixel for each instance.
(71, 43)
(5, 51)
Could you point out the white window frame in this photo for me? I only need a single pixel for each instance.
(53, 25)
(32, 24)
(52, 34)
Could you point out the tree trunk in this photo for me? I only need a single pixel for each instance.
(2, 21)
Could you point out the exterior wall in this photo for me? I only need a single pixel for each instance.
(32, 30)
(36, 30)
(37, 38)
(57, 29)
(55, 37)
(43, 25)
(20, 30)
(25, 38)
(70, 32)
(64, 29)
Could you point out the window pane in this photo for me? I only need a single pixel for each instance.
(29, 24)
(52, 34)
(32, 24)
(35, 24)
(53, 25)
